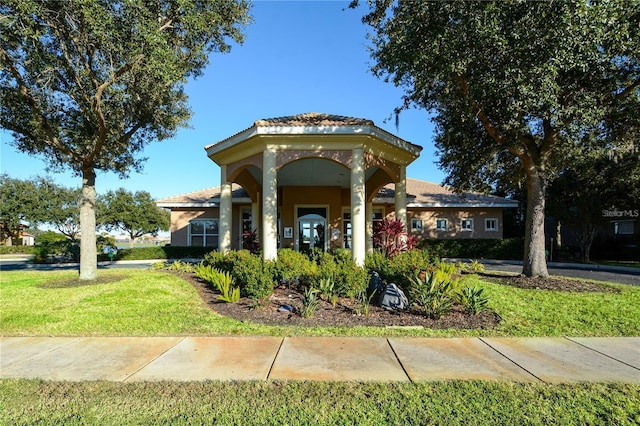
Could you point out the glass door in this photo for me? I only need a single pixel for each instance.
(312, 230)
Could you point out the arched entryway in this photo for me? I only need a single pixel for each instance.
(305, 162)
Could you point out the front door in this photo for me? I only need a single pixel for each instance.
(312, 229)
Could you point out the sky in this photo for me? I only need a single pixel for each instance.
(297, 57)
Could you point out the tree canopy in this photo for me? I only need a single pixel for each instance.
(515, 86)
(16, 200)
(88, 83)
(39, 201)
(134, 213)
(591, 184)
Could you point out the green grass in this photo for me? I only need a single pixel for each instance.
(558, 313)
(275, 403)
(151, 303)
(156, 303)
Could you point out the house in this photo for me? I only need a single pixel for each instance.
(28, 239)
(321, 181)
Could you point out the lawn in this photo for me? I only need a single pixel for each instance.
(152, 303)
(277, 403)
(156, 303)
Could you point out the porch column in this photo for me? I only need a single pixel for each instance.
(224, 225)
(358, 207)
(369, 215)
(269, 205)
(255, 216)
(401, 197)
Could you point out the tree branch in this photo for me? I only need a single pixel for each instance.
(491, 129)
(31, 101)
(627, 90)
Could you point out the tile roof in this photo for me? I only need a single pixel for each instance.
(419, 194)
(201, 197)
(318, 120)
(314, 119)
(426, 194)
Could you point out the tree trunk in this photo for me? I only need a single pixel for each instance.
(88, 251)
(535, 262)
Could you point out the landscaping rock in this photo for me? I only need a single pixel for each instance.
(393, 298)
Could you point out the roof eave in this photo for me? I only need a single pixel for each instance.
(275, 130)
(213, 202)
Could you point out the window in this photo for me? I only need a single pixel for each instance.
(346, 229)
(377, 216)
(624, 227)
(466, 224)
(441, 224)
(491, 225)
(203, 233)
(416, 225)
(246, 220)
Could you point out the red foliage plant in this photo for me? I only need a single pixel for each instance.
(392, 237)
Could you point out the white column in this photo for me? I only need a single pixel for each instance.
(224, 225)
(401, 197)
(358, 215)
(369, 224)
(269, 205)
(255, 216)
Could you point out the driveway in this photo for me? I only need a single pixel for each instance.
(614, 274)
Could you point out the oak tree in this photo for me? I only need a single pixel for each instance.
(513, 85)
(134, 213)
(88, 83)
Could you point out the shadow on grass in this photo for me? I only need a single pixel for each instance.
(76, 282)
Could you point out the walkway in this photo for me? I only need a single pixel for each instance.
(127, 359)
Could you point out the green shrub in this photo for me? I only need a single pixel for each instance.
(292, 264)
(470, 267)
(472, 299)
(405, 266)
(18, 249)
(363, 302)
(310, 302)
(377, 261)
(55, 244)
(508, 248)
(327, 289)
(179, 266)
(162, 252)
(215, 258)
(221, 280)
(433, 296)
(206, 273)
(349, 279)
(254, 275)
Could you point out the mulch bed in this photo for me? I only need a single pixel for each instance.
(344, 312)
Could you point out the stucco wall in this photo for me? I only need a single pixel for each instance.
(454, 217)
(334, 199)
(180, 218)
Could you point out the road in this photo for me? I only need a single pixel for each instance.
(25, 264)
(591, 272)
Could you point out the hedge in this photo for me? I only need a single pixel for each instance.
(504, 249)
(162, 252)
(17, 249)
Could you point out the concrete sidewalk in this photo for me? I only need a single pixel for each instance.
(548, 360)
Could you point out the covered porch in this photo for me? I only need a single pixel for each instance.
(311, 180)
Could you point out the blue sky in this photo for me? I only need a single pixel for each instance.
(298, 57)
